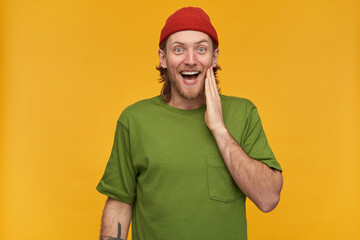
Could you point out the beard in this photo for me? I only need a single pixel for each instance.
(187, 93)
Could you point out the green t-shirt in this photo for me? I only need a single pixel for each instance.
(166, 162)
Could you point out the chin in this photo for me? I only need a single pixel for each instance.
(192, 95)
(188, 92)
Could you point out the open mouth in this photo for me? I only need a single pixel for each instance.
(190, 75)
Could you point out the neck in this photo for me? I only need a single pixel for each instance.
(187, 104)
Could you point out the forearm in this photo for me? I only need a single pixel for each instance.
(115, 220)
(256, 180)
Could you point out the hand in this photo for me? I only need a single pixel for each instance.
(213, 115)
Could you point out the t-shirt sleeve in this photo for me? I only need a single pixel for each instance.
(256, 144)
(119, 179)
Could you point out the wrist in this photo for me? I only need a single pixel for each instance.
(220, 132)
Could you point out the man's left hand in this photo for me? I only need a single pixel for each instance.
(213, 115)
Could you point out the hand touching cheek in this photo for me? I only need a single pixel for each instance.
(213, 115)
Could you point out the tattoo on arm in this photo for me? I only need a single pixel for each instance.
(113, 238)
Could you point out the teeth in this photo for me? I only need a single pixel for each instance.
(189, 73)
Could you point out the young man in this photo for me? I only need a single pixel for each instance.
(183, 163)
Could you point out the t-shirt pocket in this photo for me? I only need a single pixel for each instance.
(222, 186)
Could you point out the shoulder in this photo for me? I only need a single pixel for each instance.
(139, 109)
(142, 105)
(239, 103)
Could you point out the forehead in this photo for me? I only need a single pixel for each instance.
(188, 37)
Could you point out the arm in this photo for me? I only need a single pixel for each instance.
(115, 220)
(256, 180)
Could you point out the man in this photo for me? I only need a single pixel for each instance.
(183, 163)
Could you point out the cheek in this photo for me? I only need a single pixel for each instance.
(206, 61)
(173, 63)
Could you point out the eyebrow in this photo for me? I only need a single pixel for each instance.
(180, 43)
(201, 41)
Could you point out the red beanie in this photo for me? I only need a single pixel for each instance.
(188, 18)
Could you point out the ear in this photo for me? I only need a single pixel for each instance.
(162, 58)
(215, 57)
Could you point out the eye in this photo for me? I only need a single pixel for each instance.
(201, 49)
(178, 50)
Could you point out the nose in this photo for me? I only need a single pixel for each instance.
(190, 58)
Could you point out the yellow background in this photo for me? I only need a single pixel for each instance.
(68, 69)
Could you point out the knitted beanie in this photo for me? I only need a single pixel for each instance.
(188, 18)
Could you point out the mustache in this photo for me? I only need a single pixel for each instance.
(190, 70)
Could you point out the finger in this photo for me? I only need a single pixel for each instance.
(207, 88)
(215, 90)
(208, 96)
(209, 81)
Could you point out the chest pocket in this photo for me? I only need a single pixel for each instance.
(221, 185)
